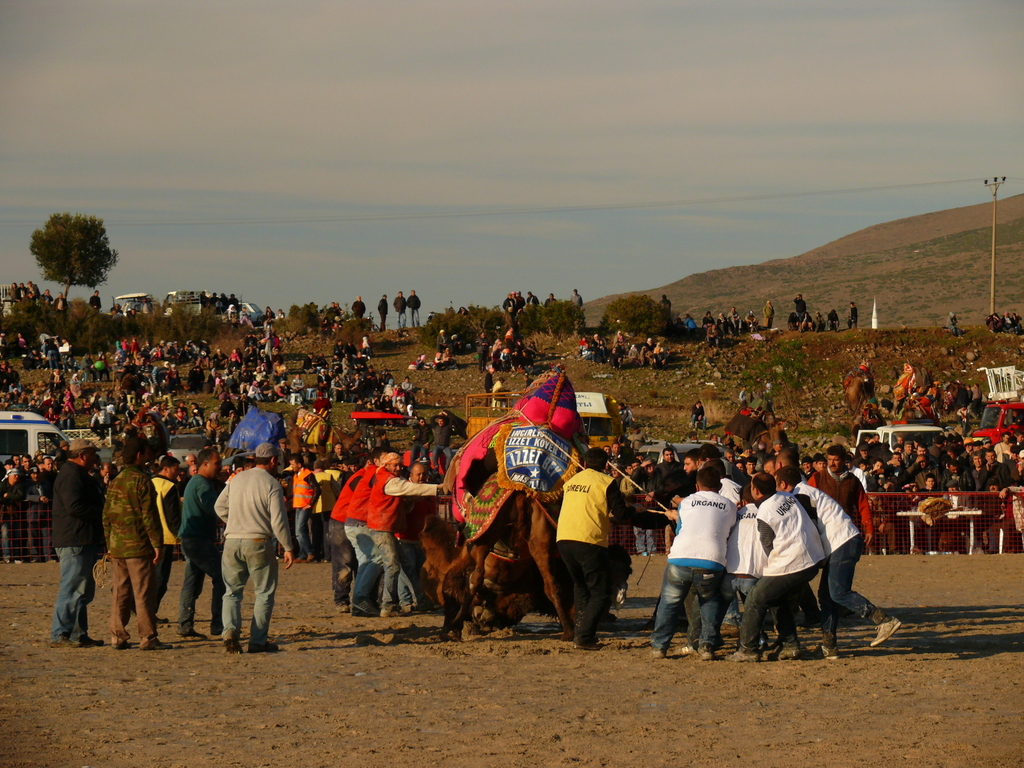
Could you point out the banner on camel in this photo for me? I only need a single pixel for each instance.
(535, 459)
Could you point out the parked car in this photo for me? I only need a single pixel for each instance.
(180, 446)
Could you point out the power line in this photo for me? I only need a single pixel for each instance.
(506, 211)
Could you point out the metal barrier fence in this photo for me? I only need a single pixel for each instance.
(989, 522)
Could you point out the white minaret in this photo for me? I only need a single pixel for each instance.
(874, 314)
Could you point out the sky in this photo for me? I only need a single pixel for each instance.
(315, 151)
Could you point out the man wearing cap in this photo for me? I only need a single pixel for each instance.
(77, 537)
(253, 507)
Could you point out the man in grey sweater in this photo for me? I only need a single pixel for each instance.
(253, 507)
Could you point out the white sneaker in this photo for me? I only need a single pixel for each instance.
(886, 630)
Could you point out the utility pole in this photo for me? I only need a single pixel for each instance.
(994, 185)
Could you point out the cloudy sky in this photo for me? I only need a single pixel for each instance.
(319, 150)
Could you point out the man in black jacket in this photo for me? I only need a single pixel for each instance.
(413, 303)
(77, 537)
(382, 310)
(358, 308)
(400, 304)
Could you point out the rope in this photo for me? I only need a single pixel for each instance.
(101, 571)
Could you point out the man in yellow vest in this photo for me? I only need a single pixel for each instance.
(592, 501)
(305, 492)
(168, 504)
(329, 480)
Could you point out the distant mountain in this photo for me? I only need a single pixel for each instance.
(917, 268)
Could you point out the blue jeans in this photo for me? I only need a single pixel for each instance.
(410, 590)
(439, 450)
(418, 451)
(730, 586)
(415, 314)
(302, 531)
(244, 559)
(644, 541)
(675, 586)
(38, 533)
(835, 588)
(8, 528)
(202, 558)
(368, 566)
(77, 589)
(386, 547)
(401, 319)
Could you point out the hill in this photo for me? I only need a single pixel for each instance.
(918, 268)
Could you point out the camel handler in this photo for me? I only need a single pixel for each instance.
(592, 501)
(386, 517)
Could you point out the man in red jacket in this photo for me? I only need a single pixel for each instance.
(364, 590)
(385, 517)
(344, 564)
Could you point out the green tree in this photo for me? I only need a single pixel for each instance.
(73, 250)
(637, 314)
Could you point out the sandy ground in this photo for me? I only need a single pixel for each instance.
(948, 690)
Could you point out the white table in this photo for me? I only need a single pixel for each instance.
(953, 514)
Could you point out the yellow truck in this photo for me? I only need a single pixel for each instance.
(600, 414)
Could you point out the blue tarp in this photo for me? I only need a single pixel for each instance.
(257, 427)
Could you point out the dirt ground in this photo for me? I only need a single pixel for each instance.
(947, 690)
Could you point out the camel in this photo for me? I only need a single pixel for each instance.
(511, 588)
(318, 436)
(858, 388)
(523, 527)
(751, 427)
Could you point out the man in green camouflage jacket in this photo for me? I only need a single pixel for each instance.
(134, 535)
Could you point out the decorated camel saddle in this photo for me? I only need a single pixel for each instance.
(314, 427)
(533, 449)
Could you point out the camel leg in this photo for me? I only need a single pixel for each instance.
(455, 611)
(542, 544)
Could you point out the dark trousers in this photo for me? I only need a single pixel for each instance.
(163, 573)
(588, 565)
(202, 558)
(316, 525)
(343, 563)
(773, 592)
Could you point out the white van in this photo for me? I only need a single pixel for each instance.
(887, 435)
(184, 301)
(25, 432)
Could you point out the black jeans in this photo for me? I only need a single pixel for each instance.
(773, 592)
(588, 565)
(343, 563)
(202, 559)
(163, 573)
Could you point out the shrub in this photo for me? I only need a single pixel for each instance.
(302, 318)
(636, 315)
(489, 320)
(560, 319)
(91, 331)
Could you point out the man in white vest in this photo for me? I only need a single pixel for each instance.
(696, 561)
(790, 541)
